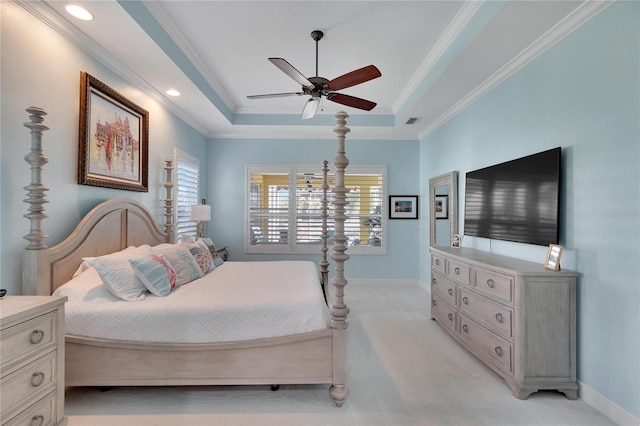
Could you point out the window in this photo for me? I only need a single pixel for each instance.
(187, 191)
(284, 209)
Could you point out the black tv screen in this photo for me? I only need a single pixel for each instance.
(515, 201)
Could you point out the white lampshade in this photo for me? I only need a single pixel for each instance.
(201, 212)
(310, 108)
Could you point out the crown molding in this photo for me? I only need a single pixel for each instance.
(583, 13)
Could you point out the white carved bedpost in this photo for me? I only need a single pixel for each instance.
(338, 309)
(32, 280)
(324, 263)
(168, 201)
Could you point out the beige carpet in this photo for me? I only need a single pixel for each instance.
(403, 370)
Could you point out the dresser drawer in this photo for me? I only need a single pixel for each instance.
(495, 285)
(444, 313)
(444, 288)
(458, 271)
(437, 263)
(492, 315)
(28, 384)
(27, 340)
(487, 344)
(43, 413)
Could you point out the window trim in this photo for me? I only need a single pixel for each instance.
(292, 247)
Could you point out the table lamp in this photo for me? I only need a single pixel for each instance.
(200, 213)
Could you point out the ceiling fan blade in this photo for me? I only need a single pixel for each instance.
(310, 108)
(290, 70)
(351, 101)
(276, 95)
(354, 77)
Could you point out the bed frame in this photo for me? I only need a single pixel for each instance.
(312, 358)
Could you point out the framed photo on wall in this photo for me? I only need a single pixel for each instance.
(403, 207)
(441, 206)
(113, 147)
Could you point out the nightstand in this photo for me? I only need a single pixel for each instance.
(32, 361)
(223, 253)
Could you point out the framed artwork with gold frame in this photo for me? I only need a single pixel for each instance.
(113, 149)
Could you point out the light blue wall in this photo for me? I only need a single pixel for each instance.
(583, 94)
(227, 159)
(42, 68)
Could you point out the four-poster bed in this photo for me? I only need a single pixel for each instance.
(314, 357)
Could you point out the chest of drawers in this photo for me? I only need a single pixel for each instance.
(515, 316)
(32, 360)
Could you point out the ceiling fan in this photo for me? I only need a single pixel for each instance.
(317, 86)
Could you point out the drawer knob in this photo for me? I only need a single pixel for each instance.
(499, 317)
(457, 271)
(36, 336)
(433, 281)
(433, 302)
(465, 328)
(450, 291)
(490, 283)
(498, 350)
(37, 420)
(437, 261)
(37, 379)
(450, 316)
(465, 300)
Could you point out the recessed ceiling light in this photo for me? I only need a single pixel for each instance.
(172, 92)
(79, 12)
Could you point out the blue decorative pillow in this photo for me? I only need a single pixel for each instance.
(185, 265)
(156, 273)
(217, 261)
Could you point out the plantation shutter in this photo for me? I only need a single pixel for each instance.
(187, 193)
(268, 209)
(284, 209)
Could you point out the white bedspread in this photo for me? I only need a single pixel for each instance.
(237, 301)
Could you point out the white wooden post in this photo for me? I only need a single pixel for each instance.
(338, 309)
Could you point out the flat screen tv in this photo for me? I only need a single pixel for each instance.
(515, 201)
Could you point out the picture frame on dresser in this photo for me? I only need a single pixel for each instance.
(553, 257)
(113, 145)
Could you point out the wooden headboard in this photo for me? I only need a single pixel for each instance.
(110, 227)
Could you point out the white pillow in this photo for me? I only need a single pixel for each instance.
(183, 262)
(85, 260)
(117, 274)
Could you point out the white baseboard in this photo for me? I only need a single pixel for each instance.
(614, 412)
(390, 281)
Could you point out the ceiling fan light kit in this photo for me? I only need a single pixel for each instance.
(316, 87)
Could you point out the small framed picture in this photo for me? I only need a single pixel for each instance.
(553, 257)
(457, 241)
(441, 206)
(403, 207)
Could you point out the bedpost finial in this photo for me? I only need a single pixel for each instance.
(35, 190)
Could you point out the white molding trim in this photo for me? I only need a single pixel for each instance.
(575, 19)
(160, 13)
(612, 411)
(383, 281)
(52, 19)
(455, 27)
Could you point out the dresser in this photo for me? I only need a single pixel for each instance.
(515, 316)
(32, 360)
